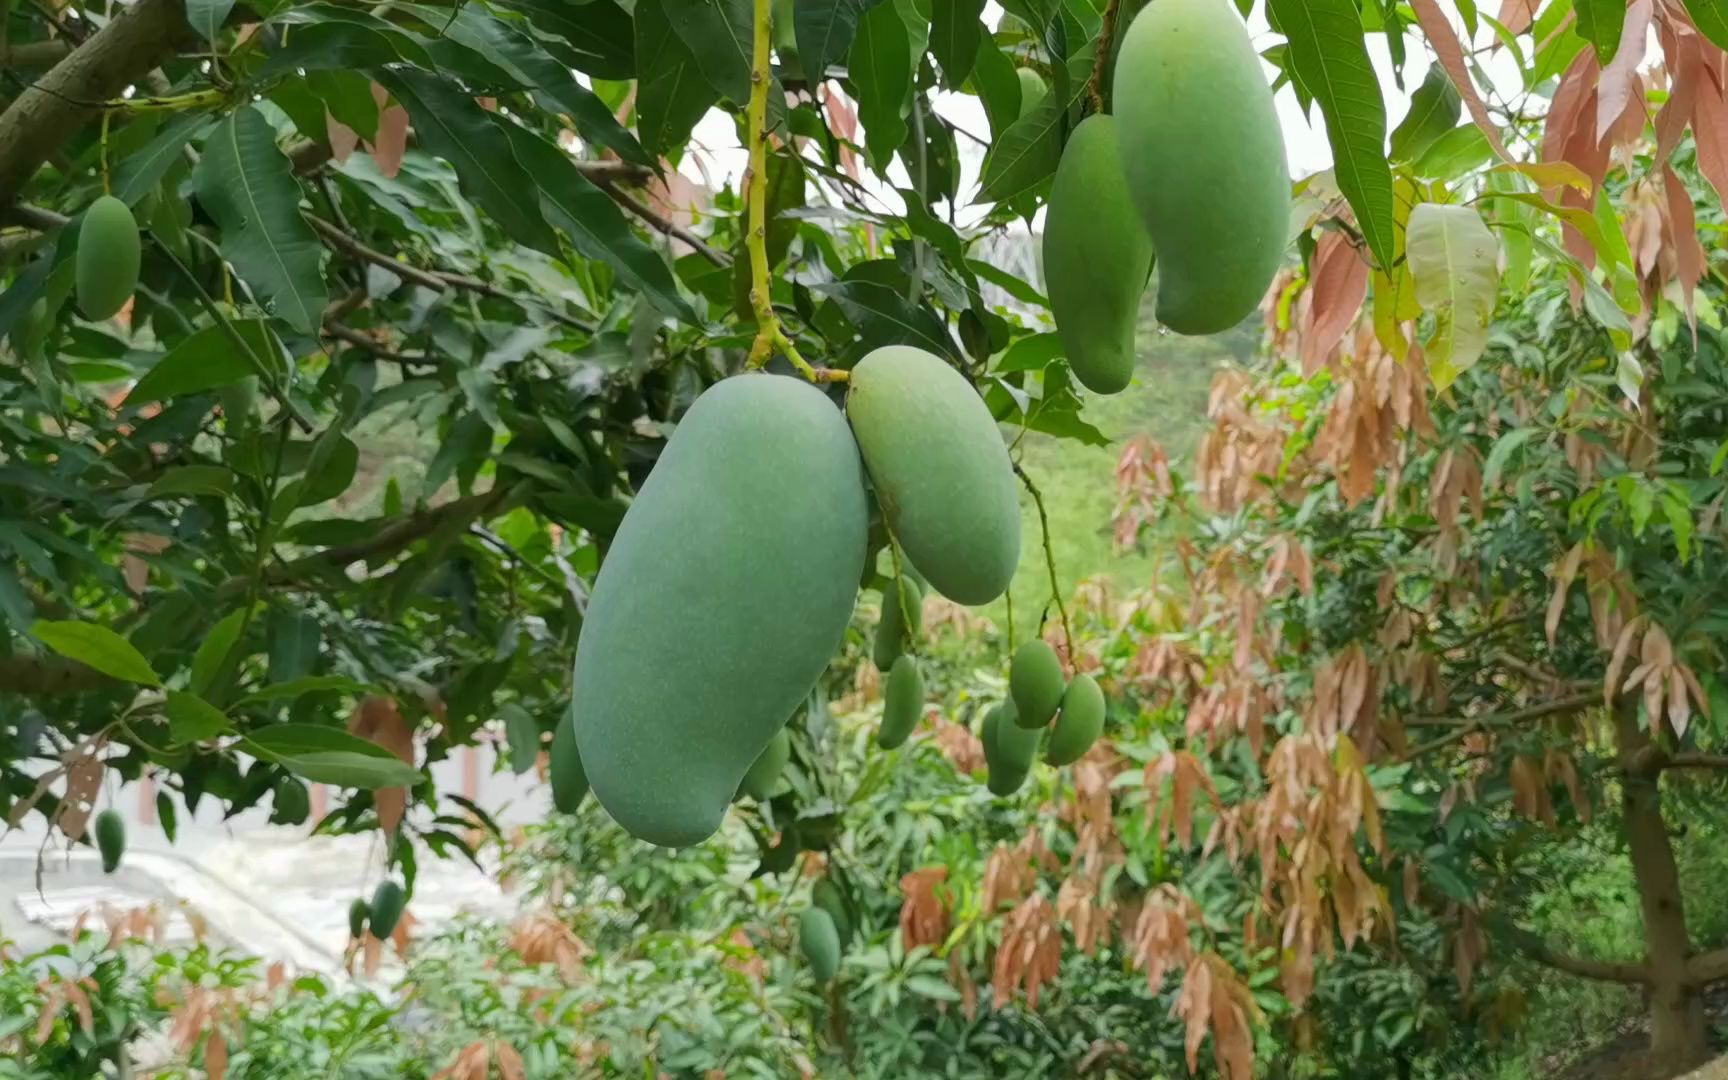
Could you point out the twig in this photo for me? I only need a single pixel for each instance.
(1572, 703)
(1049, 557)
(664, 225)
(382, 352)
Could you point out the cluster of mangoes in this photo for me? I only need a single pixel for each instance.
(381, 914)
(732, 578)
(1190, 170)
(1037, 695)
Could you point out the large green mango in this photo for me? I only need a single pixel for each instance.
(819, 939)
(1204, 157)
(1080, 724)
(902, 703)
(1036, 683)
(901, 623)
(727, 590)
(1008, 749)
(1096, 258)
(569, 779)
(940, 470)
(108, 257)
(763, 776)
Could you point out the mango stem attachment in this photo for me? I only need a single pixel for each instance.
(770, 335)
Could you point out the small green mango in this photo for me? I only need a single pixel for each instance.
(358, 913)
(1203, 152)
(1079, 725)
(564, 770)
(109, 254)
(901, 623)
(110, 839)
(1097, 257)
(940, 470)
(827, 896)
(819, 939)
(1035, 682)
(1008, 750)
(764, 775)
(388, 902)
(902, 703)
(1032, 89)
(289, 802)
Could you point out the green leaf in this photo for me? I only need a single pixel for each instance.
(451, 125)
(523, 735)
(343, 46)
(1008, 283)
(1454, 260)
(1434, 110)
(207, 16)
(205, 361)
(1027, 153)
(1328, 55)
(1504, 447)
(1030, 353)
(997, 85)
(1601, 23)
(1711, 19)
(96, 647)
(594, 223)
(212, 655)
(1455, 153)
(598, 33)
(880, 68)
(1679, 514)
(328, 756)
(955, 34)
(166, 814)
(825, 30)
(718, 34)
(140, 172)
(885, 317)
(192, 719)
(671, 94)
(516, 52)
(248, 186)
(310, 684)
(192, 480)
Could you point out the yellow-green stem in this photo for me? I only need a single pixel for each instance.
(770, 336)
(1049, 560)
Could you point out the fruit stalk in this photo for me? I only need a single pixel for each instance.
(769, 334)
(1049, 559)
(1106, 41)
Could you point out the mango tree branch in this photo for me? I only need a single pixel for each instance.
(1582, 966)
(769, 334)
(662, 224)
(1707, 968)
(47, 676)
(46, 113)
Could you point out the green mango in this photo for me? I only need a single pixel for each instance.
(358, 913)
(564, 769)
(110, 839)
(827, 896)
(1079, 725)
(388, 902)
(819, 940)
(1008, 750)
(1036, 683)
(727, 589)
(109, 254)
(289, 803)
(764, 775)
(902, 703)
(901, 623)
(1032, 89)
(1204, 157)
(940, 470)
(1097, 257)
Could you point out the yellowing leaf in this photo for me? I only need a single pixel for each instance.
(1455, 262)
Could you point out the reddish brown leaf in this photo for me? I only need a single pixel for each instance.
(343, 139)
(215, 1056)
(1338, 285)
(1683, 240)
(1517, 15)
(1444, 41)
(1710, 131)
(1614, 90)
(378, 719)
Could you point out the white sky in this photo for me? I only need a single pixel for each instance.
(1305, 143)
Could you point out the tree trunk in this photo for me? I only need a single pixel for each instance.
(1679, 1036)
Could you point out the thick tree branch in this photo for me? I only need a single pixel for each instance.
(1569, 704)
(71, 93)
(1582, 966)
(47, 676)
(1707, 968)
(34, 54)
